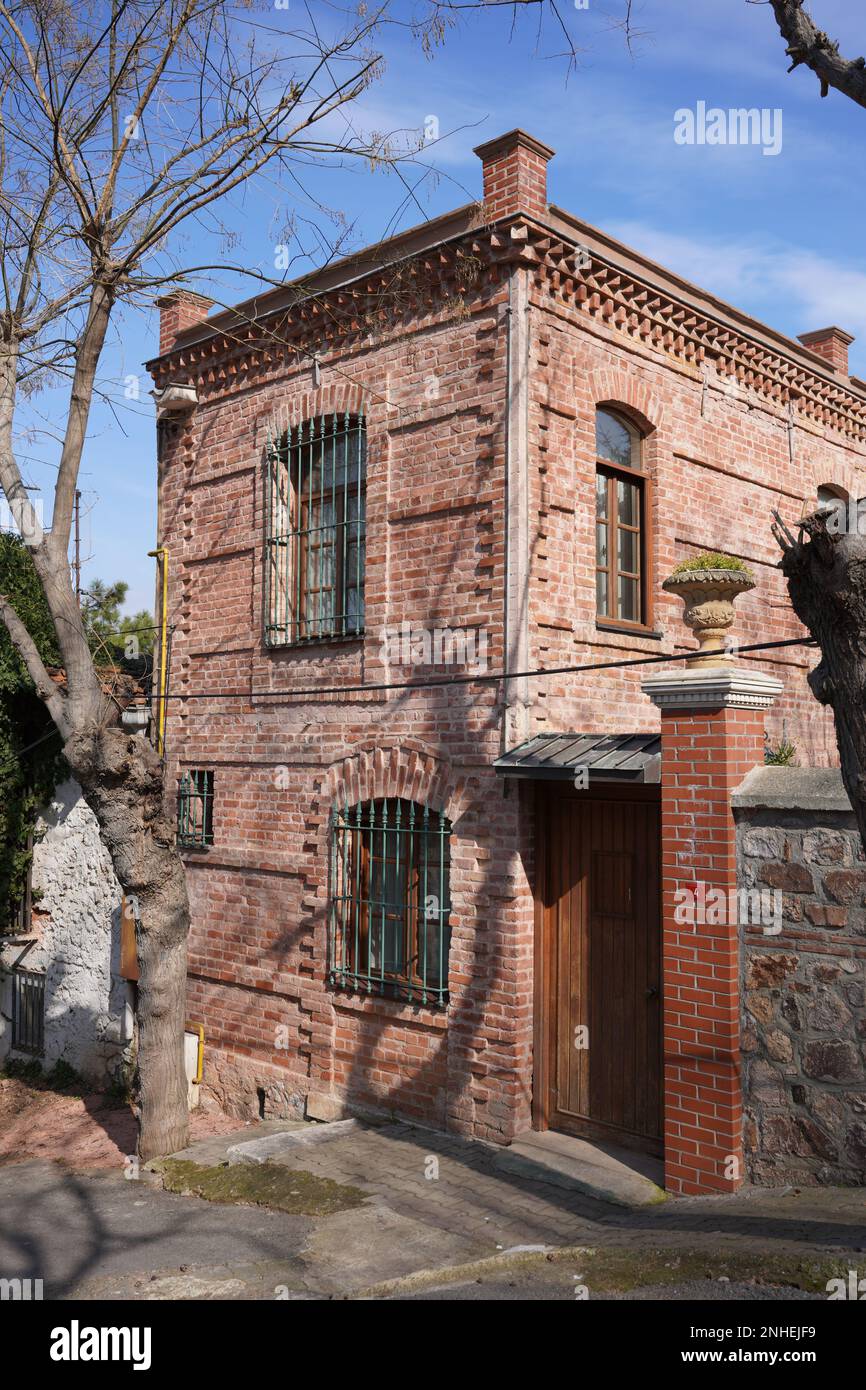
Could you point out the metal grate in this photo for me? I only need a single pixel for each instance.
(316, 531)
(195, 809)
(20, 909)
(390, 900)
(28, 1011)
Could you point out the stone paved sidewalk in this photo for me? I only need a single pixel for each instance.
(458, 1186)
(392, 1210)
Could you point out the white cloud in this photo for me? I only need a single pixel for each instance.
(788, 287)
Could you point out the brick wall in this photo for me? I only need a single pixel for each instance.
(719, 460)
(431, 377)
(804, 987)
(435, 555)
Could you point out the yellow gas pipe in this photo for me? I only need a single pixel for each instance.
(161, 554)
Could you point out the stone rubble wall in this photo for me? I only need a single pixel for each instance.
(804, 988)
(76, 920)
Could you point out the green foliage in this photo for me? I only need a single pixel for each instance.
(61, 1077)
(20, 1070)
(107, 631)
(20, 583)
(712, 560)
(783, 755)
(30, 759)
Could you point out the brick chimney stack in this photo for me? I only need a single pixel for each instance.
(830, 343)
(515, 174)
(179, 310)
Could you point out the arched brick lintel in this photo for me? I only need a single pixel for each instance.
(401, 770)
(339, 397)
(616, 388)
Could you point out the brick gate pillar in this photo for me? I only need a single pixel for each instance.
(712, 728)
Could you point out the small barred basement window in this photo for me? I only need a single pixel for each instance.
(390, 900)
(28, 1011)
(195, 809)
(316, 531)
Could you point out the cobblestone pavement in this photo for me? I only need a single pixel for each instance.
(456, 1185)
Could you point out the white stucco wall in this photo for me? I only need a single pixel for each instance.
(88, 1018)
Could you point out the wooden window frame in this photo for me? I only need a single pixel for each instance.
(612, 473)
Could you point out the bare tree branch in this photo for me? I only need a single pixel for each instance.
(810, 46)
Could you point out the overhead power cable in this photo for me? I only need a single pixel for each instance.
(481, 678)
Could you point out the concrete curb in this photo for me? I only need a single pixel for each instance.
(474, 1269)
(274, 1145)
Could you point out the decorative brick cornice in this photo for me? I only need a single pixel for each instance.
(432, 282)
(596, 287)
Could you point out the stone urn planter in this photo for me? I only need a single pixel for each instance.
(708, 592)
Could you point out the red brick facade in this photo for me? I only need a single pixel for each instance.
(479, 380)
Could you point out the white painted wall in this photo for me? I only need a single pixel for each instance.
(88, 1015)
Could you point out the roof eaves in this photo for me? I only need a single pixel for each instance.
(426, 236)
(658, 277)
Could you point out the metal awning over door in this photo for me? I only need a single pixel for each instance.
(607, 757)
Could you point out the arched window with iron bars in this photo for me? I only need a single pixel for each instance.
(390, 900)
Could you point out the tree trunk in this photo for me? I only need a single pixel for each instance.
(826, 576)
(121, 777)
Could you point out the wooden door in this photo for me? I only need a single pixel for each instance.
(600, 999)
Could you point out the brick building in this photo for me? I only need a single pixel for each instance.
(480, 446)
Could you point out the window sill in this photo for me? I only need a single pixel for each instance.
(397, 1010)
(296, 644)
(648, 633)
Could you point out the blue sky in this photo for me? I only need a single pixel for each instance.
(778, 236)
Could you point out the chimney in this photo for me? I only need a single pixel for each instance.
(515, 174)
(179, 310)
(831, 344)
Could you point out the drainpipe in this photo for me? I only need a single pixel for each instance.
(161, 554)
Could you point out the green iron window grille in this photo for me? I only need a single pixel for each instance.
(316, 531)
(195, 809)
(390, 900)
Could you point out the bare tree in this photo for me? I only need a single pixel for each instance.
(809, 45)
(121, 121)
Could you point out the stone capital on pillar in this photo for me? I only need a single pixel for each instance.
(712, 687)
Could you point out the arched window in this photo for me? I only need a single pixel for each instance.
(620, 567)
(390, 900)
(315, 531)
